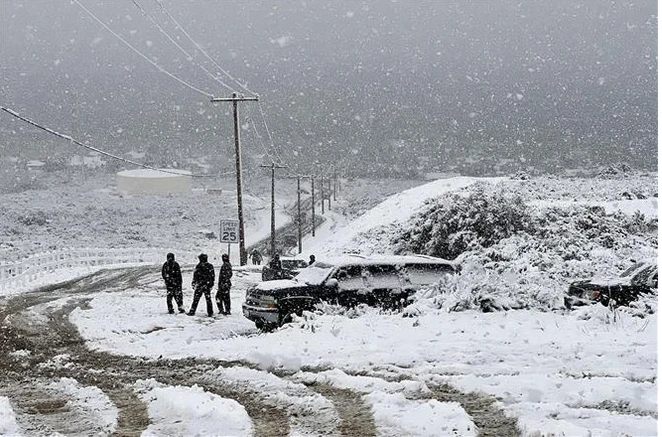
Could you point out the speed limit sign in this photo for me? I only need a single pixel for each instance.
(229, 231)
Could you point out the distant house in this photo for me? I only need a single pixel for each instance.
(93, 160)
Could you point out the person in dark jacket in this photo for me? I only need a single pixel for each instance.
(311, 260)
(203, 282)
(224, 284)
(256, 257)
(172, 275)
(276, 267)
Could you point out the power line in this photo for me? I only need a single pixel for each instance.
(271, 141)
(163, 70)
(94, 149)
(259, 137)
(188, 56)
(276, 153)
(278, 156)
(202, 50)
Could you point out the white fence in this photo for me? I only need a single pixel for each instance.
(69, 263)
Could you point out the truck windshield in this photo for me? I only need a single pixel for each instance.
(315, 273)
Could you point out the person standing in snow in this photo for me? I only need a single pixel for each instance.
(203, 282)
(311, 260)
(224, 284)
(256, 257)
(276, 266)
(172, 275)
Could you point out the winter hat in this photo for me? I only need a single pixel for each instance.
(225, 257)
(170, 256)
(202, 257)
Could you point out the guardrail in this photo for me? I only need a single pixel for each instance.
(31, 271)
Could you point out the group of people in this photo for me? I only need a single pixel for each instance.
(204, 277)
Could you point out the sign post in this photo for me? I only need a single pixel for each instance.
(229, 232)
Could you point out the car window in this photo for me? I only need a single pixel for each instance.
(301, 264)
(314, 274)
(289, 264)
(350, 278)
(427, 274)
(383, 276)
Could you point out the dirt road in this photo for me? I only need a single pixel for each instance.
(39, 346)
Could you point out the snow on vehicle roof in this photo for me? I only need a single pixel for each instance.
(383, 259)
(278, 284)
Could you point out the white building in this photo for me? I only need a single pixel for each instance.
(154, 182)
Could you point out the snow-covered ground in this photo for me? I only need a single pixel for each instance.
(583, 373)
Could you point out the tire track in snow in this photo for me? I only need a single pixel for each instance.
(268, 420)
(490, 420)
(115, 375)
(356, 418)
(56, 350)
(309, 413)
(42, 410)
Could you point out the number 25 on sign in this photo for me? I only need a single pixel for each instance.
(229, 231)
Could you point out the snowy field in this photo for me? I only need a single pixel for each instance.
(591, 372)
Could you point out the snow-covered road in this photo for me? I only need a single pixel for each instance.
(550, 372)
(100, 355)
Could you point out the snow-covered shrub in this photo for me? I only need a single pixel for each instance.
(33, 218)
(521, 175)
(616, 170)
(457, 222)
(487, 290)
(525, 264)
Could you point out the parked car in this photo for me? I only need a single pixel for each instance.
(387, 281)
(640, 278)
(291, 268)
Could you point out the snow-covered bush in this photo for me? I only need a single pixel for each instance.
(457, 222)
(517, 255)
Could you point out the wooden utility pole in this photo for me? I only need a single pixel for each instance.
(243, 256)
(273, 167)
(312, 191)
(335, 183)
(322, 192)
(299, 224)
(299, 218)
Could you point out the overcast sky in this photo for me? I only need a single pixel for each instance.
(343, 69)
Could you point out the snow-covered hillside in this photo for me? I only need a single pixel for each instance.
(575, 229)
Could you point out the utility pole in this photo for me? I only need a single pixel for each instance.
(329, 181)
(299, 218)
(299, 224)
(322, 192)
(335, 183)
(312, 191)
(243, 256)
(273, 167)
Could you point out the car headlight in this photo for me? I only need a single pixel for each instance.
(268, 302)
